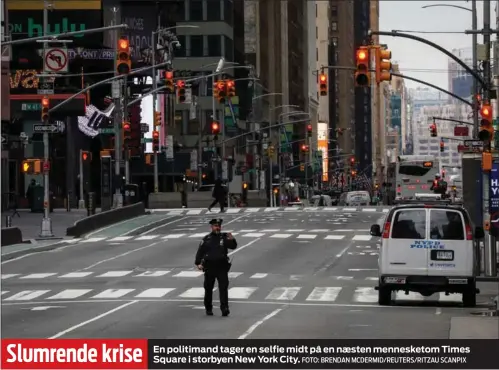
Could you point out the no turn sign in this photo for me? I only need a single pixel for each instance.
(56, 60)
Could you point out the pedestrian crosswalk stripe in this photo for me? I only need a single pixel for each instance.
(258, 276)
(319, 231)
(281, 236)
(253, 235)
(73, 275)
(70, 294)
(115, 274)
(294, 230)
(241, 292)
(112, 293)
(233, 210)
(92, 240)
(247, 231)
(349, 209)
(307, 236)
(4, 292)
(324, 294)
(198, 235)
(189, 274)
(334, 237)
(269, 209)
(369, 210)
(194, 293)
(252, 210)
(8, 276)
(120, 238)
(39, 276)
(173, 236)
(194, 212)
(27, 295)
(153, 273)
(270, 230)
(365, 295)
(147, 237)
(233, 275)
(283, 293)
(154, 293)
(362, 237)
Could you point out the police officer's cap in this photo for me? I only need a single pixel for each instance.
(216, 221)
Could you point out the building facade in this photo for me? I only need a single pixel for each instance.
(460, 81)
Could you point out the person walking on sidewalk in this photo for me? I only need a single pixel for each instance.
(219, 196)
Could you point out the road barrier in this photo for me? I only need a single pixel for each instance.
(102, 219)
(11, 235)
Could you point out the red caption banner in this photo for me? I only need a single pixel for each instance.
(74, 354)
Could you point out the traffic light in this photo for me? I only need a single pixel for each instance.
(244, 194)
(27, 167)
(45, 109)
(376, 187)
(215, 128)
(443, 174)
(309, 130)
(305, 148)
(352, 161)
(231, 89)
(86, 156)
(383, 65)
(221, 93)
(486, 129)
(353, 173)
(181, 91)
(362, 62)
(302, 167)
(323, 84)
(276, 190)
(170, 86)
(155, 141)
(433, 130)
(127, 133)
(157, 118)
(124, 64)
(442, 146)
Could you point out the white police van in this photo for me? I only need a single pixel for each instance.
(427, 248)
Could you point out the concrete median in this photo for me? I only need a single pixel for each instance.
(199, 199)
(99, 220)
(11, 235)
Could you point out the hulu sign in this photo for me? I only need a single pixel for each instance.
(29, 23)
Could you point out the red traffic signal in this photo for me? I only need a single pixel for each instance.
(124, 63)
(323, 78)
(45, 102)
(352, 160)
(84, 156)
(215, 128)
(45, 108)
(168, 75)
(442, 146)
(155, 135)
(126, 126)
(309, 128)
(180, 83)
(304, 148)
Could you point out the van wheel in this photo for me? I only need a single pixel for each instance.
(384, 296)
(469, 297)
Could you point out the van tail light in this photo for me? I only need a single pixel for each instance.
(469, 233)
(386, 230)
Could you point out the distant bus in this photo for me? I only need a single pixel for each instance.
(415, 175)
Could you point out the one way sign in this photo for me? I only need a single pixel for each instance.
(45, 128)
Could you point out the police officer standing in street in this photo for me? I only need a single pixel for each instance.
(212, 258)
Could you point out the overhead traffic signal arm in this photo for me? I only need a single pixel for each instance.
(383, 65)
(362, 67)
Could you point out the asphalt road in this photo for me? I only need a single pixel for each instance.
(299, 274)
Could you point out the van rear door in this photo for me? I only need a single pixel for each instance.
(404, 251)
(452, 251)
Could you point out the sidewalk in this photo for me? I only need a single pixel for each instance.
(30, 223)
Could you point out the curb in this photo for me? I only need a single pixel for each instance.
(43, 248)
(487, 278)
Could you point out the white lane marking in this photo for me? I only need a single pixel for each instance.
(247, 231)
(233, 210)
(233, 275)
(173, 236)
(4, 292)
(120, 255)
(334, 237)
(147, 237)
(120, 238)
(112, 293)
(306, 236)
(294, 230)
(38, 276)
(270, 230)
(258, 323)
(73, 275)
(244, 246)
(281, 236)
(283, 293)
(372, 278)
(64, 332)
(198, 235)
(258, 276)
(365, 295)
(330, 208)
(319, 231)
(70, 294)
(193, 212)
(113, 225)
(160, 226)
(116, 273)
(324, 294)
(342, 252)
(311, 208)
(269, 209)
(362, 237)
(362, 269)
(252, 210)
(153, 273)
(154, 293)
(369, 210)
(344, 277)
(194, 293)
(8, 276)
(241, 292)
(349, 209)
(35, 251)
(27, 295)
(253, 235)
(92, 240)
(191, 274)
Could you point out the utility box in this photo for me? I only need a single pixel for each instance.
(472, 186)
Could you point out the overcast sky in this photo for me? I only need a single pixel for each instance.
(416, 59)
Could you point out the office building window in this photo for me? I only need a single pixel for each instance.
(229, 12)
(316, 32)
(317, 54)
(316, 10)
(180, 52)
(214, 45)
(229, 48)
(196, 49)
(335, 41)
(214, 12)
(334, 11)
(196, 10)
(334, 26)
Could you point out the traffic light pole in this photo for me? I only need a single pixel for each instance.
(118, 197)
(154, 104)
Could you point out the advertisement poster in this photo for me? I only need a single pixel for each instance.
(323, 146)
(494, 189)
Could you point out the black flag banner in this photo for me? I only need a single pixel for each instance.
(323, 354)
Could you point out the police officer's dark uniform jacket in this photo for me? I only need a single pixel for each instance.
(212, 254)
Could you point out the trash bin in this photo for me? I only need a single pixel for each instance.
(38, 195)
(131, 194)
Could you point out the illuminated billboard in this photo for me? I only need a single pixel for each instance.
(323, 146)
